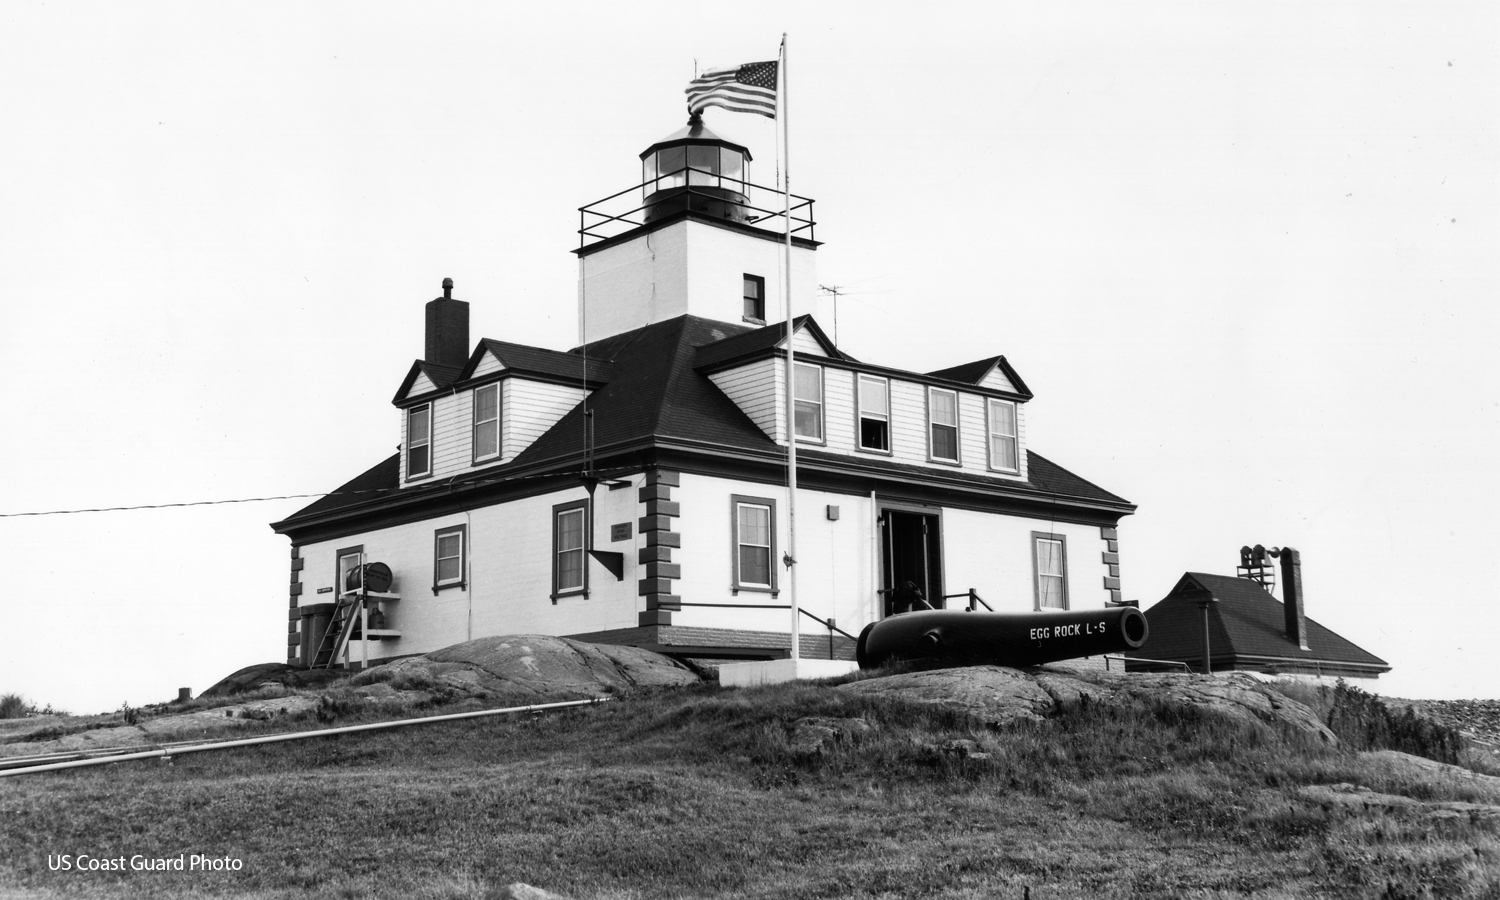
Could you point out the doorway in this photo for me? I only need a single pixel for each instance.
(912, 550)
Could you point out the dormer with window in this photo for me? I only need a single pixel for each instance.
(470, 410)
(967, 418)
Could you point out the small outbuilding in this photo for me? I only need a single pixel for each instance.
(1247, 630)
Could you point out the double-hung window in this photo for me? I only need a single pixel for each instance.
(1051, 560)
(448, 557)
(486, 422)
(874, 414)
(419, 441)
(808, 400)
(755, 299)
(569, 548)
(753, 522)
(1003, 453)
(942, 424)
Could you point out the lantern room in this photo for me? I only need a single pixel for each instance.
(695, 169)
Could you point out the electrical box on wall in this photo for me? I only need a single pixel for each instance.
(833, 513)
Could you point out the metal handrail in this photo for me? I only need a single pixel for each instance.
(828, 623)
(973, 596)
(1166, 662)
(586, 229)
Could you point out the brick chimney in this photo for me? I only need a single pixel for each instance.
(1291, 589)
(447, 329)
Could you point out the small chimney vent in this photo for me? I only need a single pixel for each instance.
(447, 329)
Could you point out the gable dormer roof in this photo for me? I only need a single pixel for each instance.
(731, 350)
(439, 375)
(976, 372)
(538, 362)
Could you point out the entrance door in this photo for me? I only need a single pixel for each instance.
(912, 551)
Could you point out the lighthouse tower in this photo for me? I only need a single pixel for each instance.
(696, 236)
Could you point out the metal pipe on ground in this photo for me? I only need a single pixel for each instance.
(293, 736)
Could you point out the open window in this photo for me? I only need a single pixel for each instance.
(874, 414)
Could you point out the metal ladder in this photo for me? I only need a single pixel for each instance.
(340, 629)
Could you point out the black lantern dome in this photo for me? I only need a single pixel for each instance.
(695, 169)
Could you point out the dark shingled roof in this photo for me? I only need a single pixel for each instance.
(758, 341)
(1246, 622)
(654, 394)
(379, 479)
(522, 359)
(974, 372)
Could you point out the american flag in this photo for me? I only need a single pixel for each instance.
(749, 88)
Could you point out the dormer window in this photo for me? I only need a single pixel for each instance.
(874, 414)
(419, 441)
(808, 397)
(486, 422)
(755, 299)
(1003, 452)
(942, 420)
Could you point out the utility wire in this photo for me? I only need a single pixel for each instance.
(475, 483)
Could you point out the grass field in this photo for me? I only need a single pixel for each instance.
(704, 793)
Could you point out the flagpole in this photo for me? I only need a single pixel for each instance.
(791, 371)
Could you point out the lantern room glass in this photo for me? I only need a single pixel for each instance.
(696, 165)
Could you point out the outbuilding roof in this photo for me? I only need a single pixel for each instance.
(1247, 630)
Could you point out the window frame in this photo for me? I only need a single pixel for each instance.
(736, 585)
(426, 443)
(1037, 537)
(462, 581)
(760, 286)
(358, 550)
(991, 434)
(958, 452)
(822, 437)
(558, 511)
(478, 423)
(859, 415)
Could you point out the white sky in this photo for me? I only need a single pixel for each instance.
(1245, 255)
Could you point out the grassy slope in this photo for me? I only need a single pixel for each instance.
(699, 793)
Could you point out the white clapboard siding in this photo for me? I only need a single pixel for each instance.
(972, 433)
(421, 385)
(996, 379)
(839, 427)
(529, 408)
(908, 422)
(756, 388)
(487, 364)
(804, 343)
(452, 434)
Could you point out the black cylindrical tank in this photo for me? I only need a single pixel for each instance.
(961, 638)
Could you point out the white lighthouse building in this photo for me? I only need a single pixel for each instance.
(633, 489)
